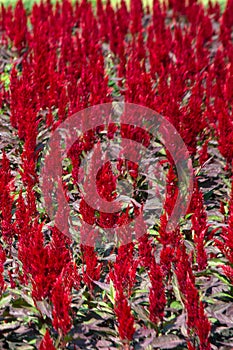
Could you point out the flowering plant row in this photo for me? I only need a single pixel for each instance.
(166, 288)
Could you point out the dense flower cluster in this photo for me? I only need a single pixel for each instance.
(175, 58)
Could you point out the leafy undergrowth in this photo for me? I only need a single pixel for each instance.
(165, 290)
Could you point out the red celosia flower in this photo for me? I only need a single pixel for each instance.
(69, 57)
(20, 26)
(199, 226)
(91, 266)
(197, 320)
(145, 243)
(61, 300)
(226, 244)
(6, 200)
(47, 343)
(42, 264)
(157, 293)
(124, 270)
(2, 261)
(124, 316)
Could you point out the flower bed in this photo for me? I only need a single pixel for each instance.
(167, 288)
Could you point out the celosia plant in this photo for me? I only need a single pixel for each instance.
(159, 288)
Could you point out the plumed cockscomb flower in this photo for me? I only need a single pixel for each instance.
(47, 343)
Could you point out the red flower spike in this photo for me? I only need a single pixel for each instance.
(47, 343)
(124, 316)
(61, 300)
(157, 293)
(2, 261)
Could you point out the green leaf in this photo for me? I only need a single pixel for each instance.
(176, 305)
(112, 293)
(215, 262)
(222, 278)
(43, 329)
(215, 218)
(5, 301)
